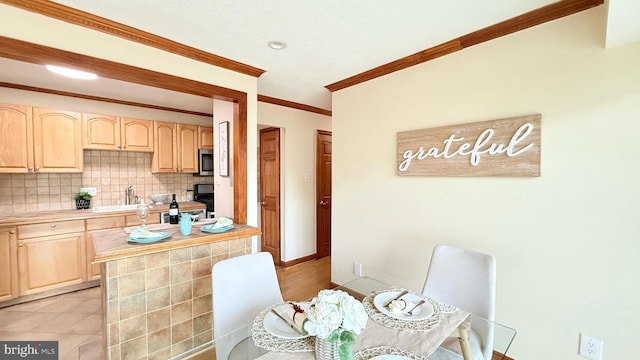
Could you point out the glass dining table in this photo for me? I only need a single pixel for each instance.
(441, 332)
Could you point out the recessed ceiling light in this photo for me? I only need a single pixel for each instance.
(277, 45)
(76, 74)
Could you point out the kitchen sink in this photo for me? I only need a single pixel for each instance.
(111, 208)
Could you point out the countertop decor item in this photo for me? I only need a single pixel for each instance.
(159, 198)
(83, 200)
(335, 317)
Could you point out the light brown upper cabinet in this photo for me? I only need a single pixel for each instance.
(165, 147)
(205, 137)
(188, 148)
(39, 140)
(175, 148)
(106, 132)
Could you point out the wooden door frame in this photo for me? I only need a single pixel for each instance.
(40, 54)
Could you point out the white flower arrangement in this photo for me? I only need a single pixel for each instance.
(336, 316)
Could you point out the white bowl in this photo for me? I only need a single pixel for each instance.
(159, 198)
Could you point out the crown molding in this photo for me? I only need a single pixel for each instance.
(100, 98)
(532, 18)
(294, 105)
(97, 23)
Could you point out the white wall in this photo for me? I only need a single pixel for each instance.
(298, 157)
(567, 242)
(223, 184)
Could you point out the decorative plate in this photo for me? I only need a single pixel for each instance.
(154, 237)
(419, 313)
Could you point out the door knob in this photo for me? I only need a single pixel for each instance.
(264, 203)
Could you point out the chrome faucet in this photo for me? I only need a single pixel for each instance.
(130, 195)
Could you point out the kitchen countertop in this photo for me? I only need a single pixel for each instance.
(74, 214)
(112, 244)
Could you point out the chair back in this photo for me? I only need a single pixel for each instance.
(466, 279)
(243, 286)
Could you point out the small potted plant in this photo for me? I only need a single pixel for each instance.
(83, 200)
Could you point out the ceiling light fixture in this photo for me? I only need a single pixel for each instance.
(277, 45)
(76, 74)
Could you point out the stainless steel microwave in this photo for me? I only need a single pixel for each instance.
(205, 162)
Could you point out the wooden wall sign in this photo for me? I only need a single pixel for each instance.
(504, 147)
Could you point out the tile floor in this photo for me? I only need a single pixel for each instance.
(73, 319)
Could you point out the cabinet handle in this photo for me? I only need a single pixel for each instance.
(37, 168)
(30, 168)
(12, 232)
(53, 226)
(20, 244)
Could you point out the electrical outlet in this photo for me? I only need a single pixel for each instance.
(591, 348)
(91, 191)
(357, 269)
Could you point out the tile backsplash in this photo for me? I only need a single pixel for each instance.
(110, 172)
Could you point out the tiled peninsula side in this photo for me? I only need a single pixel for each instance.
(157, 301)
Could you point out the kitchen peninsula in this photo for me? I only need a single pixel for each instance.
(157, 297)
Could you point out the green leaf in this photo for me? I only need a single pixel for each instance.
(345, 352)
(348, 338)
(333, 337)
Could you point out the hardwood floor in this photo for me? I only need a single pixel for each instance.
(303, 281)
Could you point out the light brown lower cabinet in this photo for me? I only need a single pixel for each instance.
(8, 264)
(50, 262)
(51, 255)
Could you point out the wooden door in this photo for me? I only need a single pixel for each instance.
(270, 191)
(165, 158)
(101, 132)
(136, 134)
(187, 148)
(323, 194)
(57, 140)
(16, 139)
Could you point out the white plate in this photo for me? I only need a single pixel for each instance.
(280, 328)
(390, 357)
(211, 229)
(420, 313)
(150, 239)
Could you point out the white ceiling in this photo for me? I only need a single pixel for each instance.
(328, 40)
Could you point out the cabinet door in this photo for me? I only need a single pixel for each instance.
(165, 158)
(205, 137)
(57, 141)
(137, 134)
(51, 262)
(187, 148)
(8, 264)
(109, 222)
(101, 132)
(16, 139)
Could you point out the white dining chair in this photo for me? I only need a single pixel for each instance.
(467, 280)
(243, 286)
